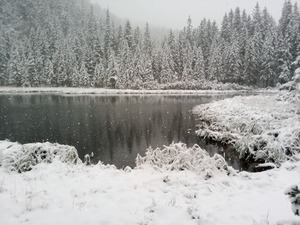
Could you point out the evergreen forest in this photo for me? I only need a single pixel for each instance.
(74, 43)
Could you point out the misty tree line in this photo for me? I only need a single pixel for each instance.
(73, 43)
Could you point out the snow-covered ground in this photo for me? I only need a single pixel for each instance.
(173, 185)
(266, 127)
(104, 91)
(152, 193)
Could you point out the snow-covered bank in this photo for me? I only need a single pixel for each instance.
(264, 127)
(103, 91)
(60, 193)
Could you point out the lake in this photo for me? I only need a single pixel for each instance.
(114, 128)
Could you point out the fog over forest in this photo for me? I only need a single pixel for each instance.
(173, 13)
(77, 44)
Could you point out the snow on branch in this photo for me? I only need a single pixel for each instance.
(178, 156)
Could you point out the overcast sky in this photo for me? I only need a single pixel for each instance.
(174, 13)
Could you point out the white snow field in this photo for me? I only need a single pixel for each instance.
(265, 127)
(173, 185)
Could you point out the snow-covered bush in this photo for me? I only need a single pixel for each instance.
(294, 195)
(17, 157)
(179, 157)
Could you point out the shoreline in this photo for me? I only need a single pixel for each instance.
(107, 92)
(262, 128)
(63, 193)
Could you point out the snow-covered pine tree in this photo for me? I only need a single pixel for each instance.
(112, 71)
(297, 26)
(187, 73)
(243, 39)
(99, 75)
(128, 34)
(5, 45)
(173, 54)
(237, 20)
(148, 45)
(198, 65)
(231, 68)
(268, 72)
(138, 69)
(107, 38)
(189, 33)
(157, 65)
(126, 65)
(33, 79)
(48, 73)
(83, 76)
(16, 66)
(226, 29)
(137, 40)
(257, 44)
(215, 66)
(286, 37)
(180, 53)
(284, 60)
(118, 39)
(167, 71)
(249, 72)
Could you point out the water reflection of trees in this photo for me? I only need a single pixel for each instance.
(115, 128)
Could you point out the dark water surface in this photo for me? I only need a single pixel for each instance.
(115, 128)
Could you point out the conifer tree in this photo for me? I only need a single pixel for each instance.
(16, 66)
(225, 29)
(74, 43)
(148, 45)
(167, 73)
(198, 65)
(215, 66)
(128, 34)
(107, 39)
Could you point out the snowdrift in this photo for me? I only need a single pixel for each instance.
(18, 157)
